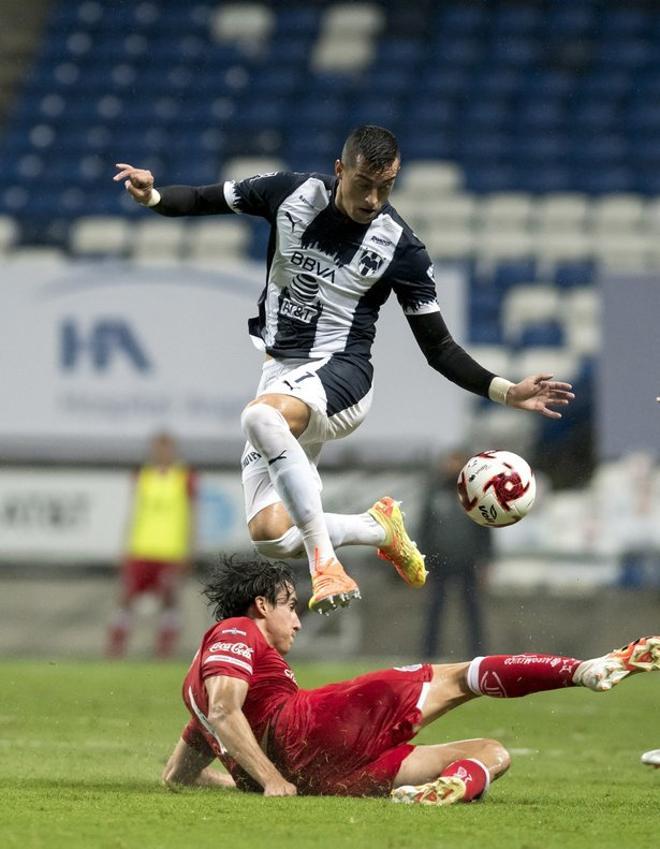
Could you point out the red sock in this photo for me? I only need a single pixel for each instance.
(474, 774)
(507, 676)
(166, 642)
(116, 646)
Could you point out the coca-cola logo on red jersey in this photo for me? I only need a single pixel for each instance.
(234, 648)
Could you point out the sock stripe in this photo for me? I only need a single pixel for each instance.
(473, 676)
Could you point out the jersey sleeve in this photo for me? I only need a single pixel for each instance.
(231, 649)
(413, 281)
(263, 194)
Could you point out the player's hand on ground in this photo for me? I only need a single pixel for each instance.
(538, 393)
(279, 787)
(138, 182)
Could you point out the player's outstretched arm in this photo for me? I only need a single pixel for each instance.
(172, 201)
(537, 393)
(225, 714)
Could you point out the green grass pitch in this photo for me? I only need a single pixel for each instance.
(82, 745)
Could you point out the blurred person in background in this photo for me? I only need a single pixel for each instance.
(336, 252)
(458, 551)
(159, 545)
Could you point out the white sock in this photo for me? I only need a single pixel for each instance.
(354, 529)
(344, 529)
(291, 475)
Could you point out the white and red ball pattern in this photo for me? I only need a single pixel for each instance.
(496, 488)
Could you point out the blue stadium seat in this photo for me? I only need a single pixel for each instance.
(598, 181)
(496, 82)
(442, 82)
(570, 274)
(544, 334)
(483, 179)
(449, 50)
(418, 143)
(461, 17)
(508, 274)
(543, 180)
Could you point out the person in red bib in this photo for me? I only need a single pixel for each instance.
(159, 545)
(350, 738)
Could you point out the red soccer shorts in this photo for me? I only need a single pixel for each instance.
(349, 739)
(149, 576)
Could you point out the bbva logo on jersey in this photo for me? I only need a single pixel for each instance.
(369, 263)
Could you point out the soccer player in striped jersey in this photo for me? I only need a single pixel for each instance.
(336, 252)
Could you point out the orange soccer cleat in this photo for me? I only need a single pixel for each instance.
(332, 587)
(398, 548)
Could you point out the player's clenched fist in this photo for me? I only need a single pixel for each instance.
(138, 182)
(279, 787)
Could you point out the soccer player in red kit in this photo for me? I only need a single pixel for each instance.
(351, 738)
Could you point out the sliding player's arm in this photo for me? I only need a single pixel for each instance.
(225, 714)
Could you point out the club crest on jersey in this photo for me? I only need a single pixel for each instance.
(369, 263)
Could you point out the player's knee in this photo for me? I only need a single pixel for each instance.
(496, 757)
(289, 544)
(258, 419)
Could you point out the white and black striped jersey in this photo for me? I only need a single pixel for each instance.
(327, 275)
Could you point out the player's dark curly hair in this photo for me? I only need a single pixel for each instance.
(234, 583)
(377, 146)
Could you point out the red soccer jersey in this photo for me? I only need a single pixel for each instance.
(237, 648)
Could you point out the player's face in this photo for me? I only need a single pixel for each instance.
(361, 192)
(281, 620)
(163, 450)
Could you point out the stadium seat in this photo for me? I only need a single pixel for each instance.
(562, 212)
(8, 233)
(495, 245)
(495, 358)
(445, 244)
(552, 246)
(367, 19)
(431, 178)
(617, 212)
(509, 274)
(346, 39)
(241, 167)
(561, 363)
(623, 249)
(245, 23)
(524, 305)
(569, 275)
(343, 54)
(158, 239)
(449, 211)
(506, 211)
(541, 334)
(218, 239)
(100, 235)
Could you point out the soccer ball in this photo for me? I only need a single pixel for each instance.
(496, 488)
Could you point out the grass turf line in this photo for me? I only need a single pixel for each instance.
(82, 745)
